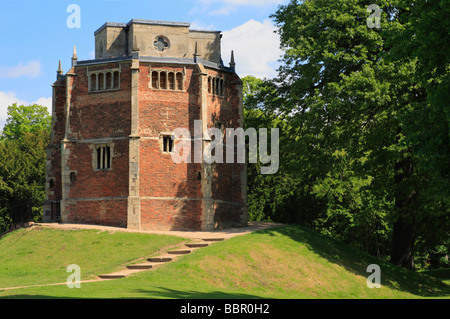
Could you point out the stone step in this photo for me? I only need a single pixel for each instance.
(159, 259)
(213, 239)
(197, 245)
(113, 276)
(179, 252)
(140, 266)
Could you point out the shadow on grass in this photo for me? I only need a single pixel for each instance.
(156, 293)
(165, 293)
(356, 261)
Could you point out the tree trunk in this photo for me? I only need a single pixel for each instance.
(402, 253)
(403, 238)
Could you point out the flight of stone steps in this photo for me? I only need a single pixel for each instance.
(154, 262)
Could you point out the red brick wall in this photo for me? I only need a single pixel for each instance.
(104, 212)
(55, 173)
(170, 193)
(59, 117)
(96, 115)
(174, 214)
(91, 183)
(227, 215)
(163, 111)
(54, 150)
(226, 181)
(101, 114)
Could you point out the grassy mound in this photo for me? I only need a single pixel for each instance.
(42, 255)
(286, 262)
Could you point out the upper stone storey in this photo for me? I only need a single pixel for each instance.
(156, 39)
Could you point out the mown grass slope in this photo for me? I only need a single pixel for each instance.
(42, 255)
(285, 262)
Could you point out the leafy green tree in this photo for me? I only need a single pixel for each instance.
(25, 119)
(22, 165)
(424, 38)
(272, 197)
(349, 102)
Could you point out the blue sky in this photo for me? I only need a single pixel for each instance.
(36, 36)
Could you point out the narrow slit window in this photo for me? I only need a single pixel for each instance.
(116, 77)
(108, 157)
(103, 157)
(99, 157)
(101, 82)
(93, 82)
(109, 84)
(155, 82)
(168, 144)
(179, 81)
(171, 78)
(163, 78)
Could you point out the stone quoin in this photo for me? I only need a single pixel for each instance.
(109, 159)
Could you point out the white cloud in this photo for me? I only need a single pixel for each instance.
(9, 98)
(44, 101)
(198, 25)
(225, 7)
(30, 69)
(256, 48)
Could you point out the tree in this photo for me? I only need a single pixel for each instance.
(270, 197)
(25, 119)
(426, 124)
(22, 164)
(349, 101)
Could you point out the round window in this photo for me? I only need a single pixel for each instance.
(161, 43)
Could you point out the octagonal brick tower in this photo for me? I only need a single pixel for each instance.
(109, 161)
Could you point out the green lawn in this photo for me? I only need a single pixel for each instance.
(41, 255)
(442, 274)
(286, 262)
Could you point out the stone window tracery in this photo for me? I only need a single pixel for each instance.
(161, 44)
(104, 80)
(166, 80)
(216, 86)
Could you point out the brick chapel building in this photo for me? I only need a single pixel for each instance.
(109, 160)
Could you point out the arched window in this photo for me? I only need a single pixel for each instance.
(162, 79)
(222, 87)
(209, 85)
(116, 77)
(103, 157)
(109, 84)
(155, 80)
(217, 86)
(106, 80)
(101, 81)
(171, 80)
(179, 81)
(93, 82)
